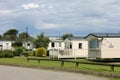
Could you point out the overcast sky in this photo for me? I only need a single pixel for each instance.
(57, 17)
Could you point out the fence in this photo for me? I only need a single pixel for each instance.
(112, 65)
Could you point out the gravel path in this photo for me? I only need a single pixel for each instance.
(17, 73)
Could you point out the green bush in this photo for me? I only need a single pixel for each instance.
(2, 55)
(18, 52)
(31, 53)
(6, 54)
(41, 52)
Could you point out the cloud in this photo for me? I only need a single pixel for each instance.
(30, 6)
(49, 26)
(42, 25)
(5, 11)
(61, 15)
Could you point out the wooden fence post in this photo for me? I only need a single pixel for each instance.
(112, 68)
(27, 60)
(39, 61)
(77, 64)
(62, 63)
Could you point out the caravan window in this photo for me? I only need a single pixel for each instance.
(28, 44)
(1, 47)
(80, 45)
(53, 44)
(94, 44)
(70, 46)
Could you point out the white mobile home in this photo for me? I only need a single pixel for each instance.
(55, 43)
(76, 47)
(54, 47)
(104, 45)
(73, 47)
(5, 45)
(28, 45)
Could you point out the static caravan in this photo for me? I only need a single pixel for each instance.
(56, 44)
(72, 47)
(28, 45)
(103, 45)
(75, 47)
(5, 45)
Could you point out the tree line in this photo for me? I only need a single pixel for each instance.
(40, 41)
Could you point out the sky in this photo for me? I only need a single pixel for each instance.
(57, 17)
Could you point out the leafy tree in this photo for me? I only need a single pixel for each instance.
(67, 35)
(25, 36)
(11, 34)
(22, 37)
(1, 36)
(41, 41)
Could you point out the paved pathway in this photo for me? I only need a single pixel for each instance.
(17, 73)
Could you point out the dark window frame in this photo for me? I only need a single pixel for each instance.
(52, 44)
(80, 45)
(70, 46)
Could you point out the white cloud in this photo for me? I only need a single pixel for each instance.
(43, 6)
(49, 26)
(96, 21)
(5, 11)
(43, 25)
(74, 15)
(30, 6)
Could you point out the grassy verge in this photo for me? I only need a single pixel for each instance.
(56, 65)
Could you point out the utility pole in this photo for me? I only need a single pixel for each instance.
(27, 40)
(26, 34)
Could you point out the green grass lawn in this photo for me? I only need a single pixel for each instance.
(22, 61)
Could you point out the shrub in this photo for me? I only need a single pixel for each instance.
(31, 53)
(25, 54)
(7, 54)
(18, 52)
(2, 55)
(41, 52)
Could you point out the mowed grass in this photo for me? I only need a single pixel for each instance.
(22, 61)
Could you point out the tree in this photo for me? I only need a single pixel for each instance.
(11, 34)
(21, 38)
(1, 36)
(24, 36)
(41, 41)
(67, 35)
